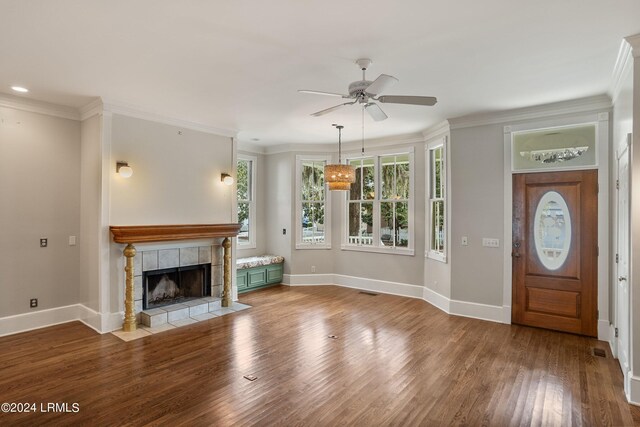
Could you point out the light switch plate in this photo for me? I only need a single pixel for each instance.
(490, 243)
(465, 241)
(72, 240)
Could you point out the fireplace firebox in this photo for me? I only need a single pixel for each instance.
(175, 285)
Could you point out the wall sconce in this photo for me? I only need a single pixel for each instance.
(226, 178)
(123, 169)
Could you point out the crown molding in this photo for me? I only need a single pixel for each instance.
(250, 147)
(40, 107)
(624, 59)
(634, 41)
(437, 130)
(581, 105)
(350, 146)
(115, 107)
(91, 109)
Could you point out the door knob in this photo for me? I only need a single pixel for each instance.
(621, 278)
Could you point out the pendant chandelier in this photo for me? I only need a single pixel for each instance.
(339, 176)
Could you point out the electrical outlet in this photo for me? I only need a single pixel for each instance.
(72, 240)
(284, 231)
(490, 243)
(33, 302)
(465, 241)
(44, 243)
(313, 268)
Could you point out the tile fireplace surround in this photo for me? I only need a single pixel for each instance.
(219, 256)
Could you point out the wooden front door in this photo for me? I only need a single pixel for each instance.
(555, 253)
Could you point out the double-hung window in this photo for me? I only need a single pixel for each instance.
(246, 172)
(436, 200)
(313, 210)
(379, 214)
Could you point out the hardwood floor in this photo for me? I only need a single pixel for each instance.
(396, 361)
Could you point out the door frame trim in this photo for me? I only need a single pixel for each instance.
(601, 120)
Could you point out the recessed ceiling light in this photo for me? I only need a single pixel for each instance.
(255, 139)
(20, 89)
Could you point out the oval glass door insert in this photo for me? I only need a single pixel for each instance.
(552, 230)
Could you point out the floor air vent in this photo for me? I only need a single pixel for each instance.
(372, 294)
(599, 352)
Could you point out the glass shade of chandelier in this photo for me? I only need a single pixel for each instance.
(339, 176)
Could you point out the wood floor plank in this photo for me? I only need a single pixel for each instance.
(396, 361)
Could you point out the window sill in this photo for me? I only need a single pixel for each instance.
(436, 256)
(306, 246)
(388, 251)
(243, 246)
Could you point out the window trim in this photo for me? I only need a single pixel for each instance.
(393, 250)
(252, 244)
(327, 205)
(429, 252)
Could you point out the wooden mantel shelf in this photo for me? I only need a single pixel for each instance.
(161, 233)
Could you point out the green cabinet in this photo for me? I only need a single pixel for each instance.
(258, 277)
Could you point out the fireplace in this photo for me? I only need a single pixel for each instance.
(175, 285)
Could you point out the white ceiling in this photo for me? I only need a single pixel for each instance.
(237, 64)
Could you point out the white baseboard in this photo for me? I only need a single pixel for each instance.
(100, 322)
(437, 300)
(634, 390)
(607, 332)
(491, 313)
(39, 319)
(308, 279)
(90, 317)
(380, 286)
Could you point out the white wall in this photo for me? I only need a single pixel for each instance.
(278, 211)
(176, 176)
(90, 204)
(477, 201)
(39, 198)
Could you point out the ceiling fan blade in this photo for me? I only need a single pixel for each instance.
(317, 92)
(375, 112)
(411, 100)
(382, 83)
(330, 109)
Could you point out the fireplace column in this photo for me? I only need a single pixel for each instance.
(129, 311)
(226, 292)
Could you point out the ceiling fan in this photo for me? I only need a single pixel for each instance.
(365, 91)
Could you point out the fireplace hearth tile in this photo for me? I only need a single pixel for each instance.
(216, 304)
(149, 260)
(184, 322)
(160, 328)
(168, 258)
(205, 316)
(177, 312)
(130, 336)
(223, 311)
(204, 255)
(195, 310)
(188, 256)
(154, 317)
(237, 306)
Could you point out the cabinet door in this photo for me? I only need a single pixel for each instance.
(274, 273)
(241, 279)
(257, 277)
